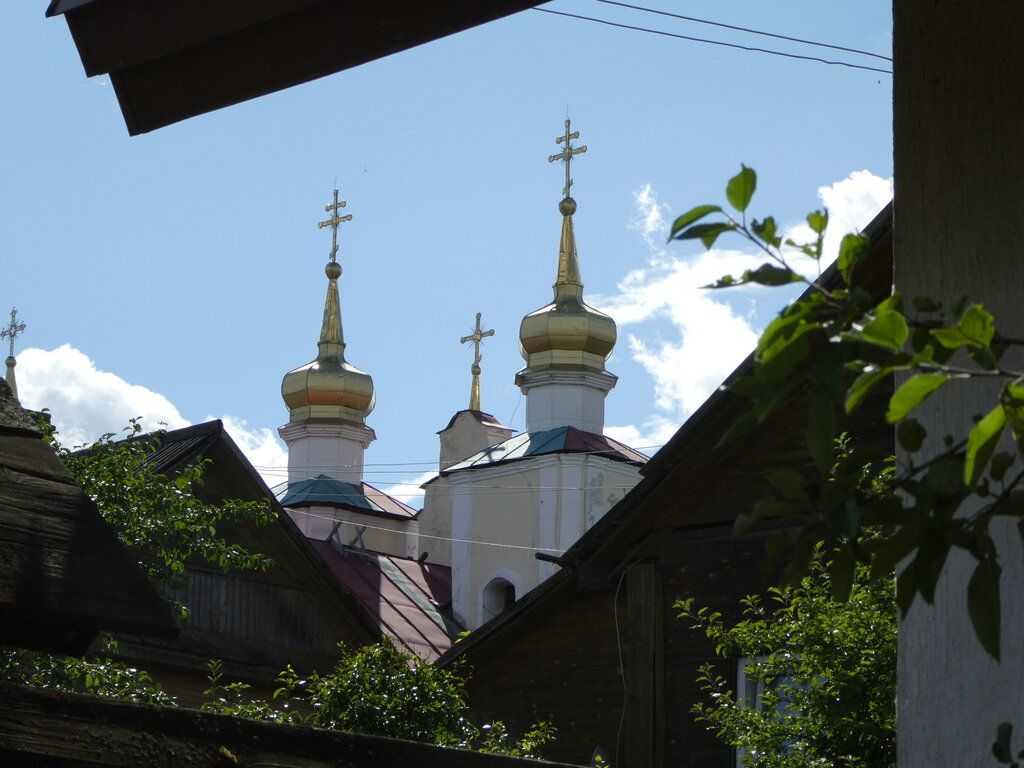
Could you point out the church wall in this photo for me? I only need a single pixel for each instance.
(435, 521)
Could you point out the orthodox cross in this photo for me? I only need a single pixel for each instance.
(13, 330)
(477, 336)
(567, 153)
(334, 222)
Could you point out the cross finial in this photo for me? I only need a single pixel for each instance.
(334, 222)
(477, 337)
(567, 154)
(13, 330)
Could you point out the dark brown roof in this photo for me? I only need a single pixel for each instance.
(294, 613)
(169, 60)
(65, 576)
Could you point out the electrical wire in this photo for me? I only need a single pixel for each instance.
(746, 29)
(714, 42)
(436, 538)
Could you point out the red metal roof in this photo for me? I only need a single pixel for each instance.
(403, 596)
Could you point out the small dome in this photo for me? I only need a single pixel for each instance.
(328, 389)
(567, 335)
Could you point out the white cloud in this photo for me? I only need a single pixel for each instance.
(407, 490)
(705, 336)
(851, 203)
(85, 402)
(261, 446)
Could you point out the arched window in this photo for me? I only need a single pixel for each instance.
(498, 595)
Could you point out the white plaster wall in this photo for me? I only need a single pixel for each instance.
(559, 405)
(435, 521)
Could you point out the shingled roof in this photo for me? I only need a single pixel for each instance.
(65, 575)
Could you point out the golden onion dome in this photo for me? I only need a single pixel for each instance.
(567, 334)
(329, 389)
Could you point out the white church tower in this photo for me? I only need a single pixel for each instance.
(493, 511)
(328, 401)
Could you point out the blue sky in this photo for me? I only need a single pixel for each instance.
(186, 264)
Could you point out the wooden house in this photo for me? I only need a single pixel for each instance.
(65, 576)
(597, 649)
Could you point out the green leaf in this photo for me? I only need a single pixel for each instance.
(740, 188)
(976, 329)
(912, 393)
(688, 218)
(821, 431)
(983, 604)
(862, 385)
(1000, 464)
(817, 221)
(926, 304)
(767, 231)
(910, 434)
(851, 250)
(789, 482)
(981, 444)
(888, 329)
(706, 233)
(841, 571)
(769, 274)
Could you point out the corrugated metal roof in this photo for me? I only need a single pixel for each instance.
(558, 440)
(403, 596)
(322, 489)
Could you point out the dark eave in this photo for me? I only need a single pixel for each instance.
(170, 60)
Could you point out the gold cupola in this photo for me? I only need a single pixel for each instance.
(329, 389)
(567, 335)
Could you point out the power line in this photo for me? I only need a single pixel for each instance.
(746, 29)
(714, 42)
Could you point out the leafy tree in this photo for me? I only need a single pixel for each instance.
(838, 343)
(161, 521)
(825, 671)
(380, 691)
(158, 517)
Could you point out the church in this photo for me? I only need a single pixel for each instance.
(503, 507)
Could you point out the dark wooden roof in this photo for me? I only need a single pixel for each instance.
(169, 60)
(64, 574)
(45, 728)
(255, 622)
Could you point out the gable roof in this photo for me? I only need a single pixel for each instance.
(65, 575)
(298, 585)
(407, 598)
(550, 441)
(360, 497)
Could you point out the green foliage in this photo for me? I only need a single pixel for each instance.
(158, 517)
(839, 344)
(96, 677)
(379, 691)
(826, 669)
(160, 521)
